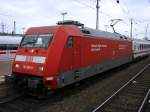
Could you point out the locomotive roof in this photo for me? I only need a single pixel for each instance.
(102, 34)
(91, 32)
(141, 41)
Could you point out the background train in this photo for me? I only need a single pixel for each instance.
(140, 48)
(8, 46)
(52, 57)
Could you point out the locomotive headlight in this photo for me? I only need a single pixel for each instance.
(39, 59)
(40, 68)
(49, 78)
(17, 65)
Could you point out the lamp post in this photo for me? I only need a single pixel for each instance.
(23, 30)
(97, 14)
(146, 31)
(63, 15)
(3, 28)
(117, 1)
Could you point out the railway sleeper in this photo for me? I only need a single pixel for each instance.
(133, 99)
(136, 91)
(118, 109)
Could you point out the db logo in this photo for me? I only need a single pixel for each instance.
(27, 67)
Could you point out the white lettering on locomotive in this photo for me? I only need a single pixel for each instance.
(97, 47)
(121, 47)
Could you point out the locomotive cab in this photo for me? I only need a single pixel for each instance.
(30, 59)
(39, 56)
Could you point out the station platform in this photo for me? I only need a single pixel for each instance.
(2, 79)
(5, 69)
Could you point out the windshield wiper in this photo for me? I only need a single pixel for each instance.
(30, 42)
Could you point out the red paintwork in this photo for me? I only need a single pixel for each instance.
(27, 52)
(61, 59)
(143, 51)
(82, 56)
(7, 52)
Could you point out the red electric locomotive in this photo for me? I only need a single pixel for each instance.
(55, 56)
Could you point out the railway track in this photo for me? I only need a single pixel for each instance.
(131, 97)
(147, 107)
(2, 79)
(145, 104)
(7, 93)
(13, 101)
(21, 104)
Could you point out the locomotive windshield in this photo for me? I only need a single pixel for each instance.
(36, 41)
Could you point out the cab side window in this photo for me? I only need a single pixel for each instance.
(69, 43)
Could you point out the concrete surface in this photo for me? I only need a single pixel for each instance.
(5, 69)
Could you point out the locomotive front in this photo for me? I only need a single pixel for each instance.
(39, 59)
(29, 66)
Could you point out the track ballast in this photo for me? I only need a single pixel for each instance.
(129, 97)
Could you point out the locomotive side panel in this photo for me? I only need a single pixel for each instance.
(96, 55)
(101, 50)
(102, 54)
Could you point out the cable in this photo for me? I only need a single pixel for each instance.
(79, 2)
(128, 13)
(108, 15)
(1, 14)
(124, 8)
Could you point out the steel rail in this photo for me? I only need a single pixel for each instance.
(8, 99)
(144, 101)
(108, 99)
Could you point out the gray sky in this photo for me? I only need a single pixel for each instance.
(29, 13)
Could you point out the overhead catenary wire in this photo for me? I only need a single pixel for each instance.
(93, 8)
(5, 15)
(129, 15)
(85, 4)
(104, 13)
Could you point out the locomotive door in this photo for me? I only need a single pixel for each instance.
(76, 53)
